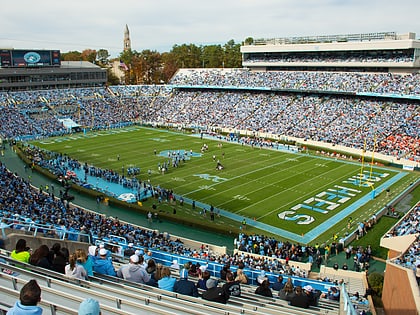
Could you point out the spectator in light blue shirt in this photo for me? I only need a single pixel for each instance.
(166, 282)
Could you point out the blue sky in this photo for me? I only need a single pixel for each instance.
(160, 24)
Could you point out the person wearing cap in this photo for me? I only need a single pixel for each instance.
(129, 250)
(175, 264)
(261, 277)
(103, 265)
(29, 296)
(264, 289)
(312, 295)
(299, 299)
(134, 271)
(166, 282)
(214, 293)
(333, 294)
(93, 252)
(89, 307)
(185, 286)
(202, 268)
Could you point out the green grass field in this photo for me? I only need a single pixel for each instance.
(297, 193)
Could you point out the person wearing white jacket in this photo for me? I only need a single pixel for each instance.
(73, 270)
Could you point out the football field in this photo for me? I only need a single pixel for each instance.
(296, 195)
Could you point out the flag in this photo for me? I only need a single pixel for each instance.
(123, 65)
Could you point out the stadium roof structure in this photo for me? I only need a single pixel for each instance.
(331, 38)
(372, 52)
(399, 244)
(78, 64)
(69, 74)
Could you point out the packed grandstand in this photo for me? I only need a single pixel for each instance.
(240, 102)
(339, 108)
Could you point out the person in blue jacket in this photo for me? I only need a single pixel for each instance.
(30, 295)
(185, 286)
(103, 265)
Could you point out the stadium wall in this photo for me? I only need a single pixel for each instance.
(400, 294)
(302, 266)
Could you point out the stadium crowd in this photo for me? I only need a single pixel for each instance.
(353, 82)
(389, 127)
(409, 224)
(327, 57)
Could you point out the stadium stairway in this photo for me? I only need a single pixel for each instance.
(355, 281)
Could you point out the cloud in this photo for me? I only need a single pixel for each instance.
(160, 24)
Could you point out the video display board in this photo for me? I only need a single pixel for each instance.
(29, 58)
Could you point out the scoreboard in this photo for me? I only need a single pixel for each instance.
(20, 58)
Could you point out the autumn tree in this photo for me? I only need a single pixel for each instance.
(102, 57)
(89, 55)
(152, 67)
(71, 56)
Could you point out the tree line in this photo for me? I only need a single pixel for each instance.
(153, 67)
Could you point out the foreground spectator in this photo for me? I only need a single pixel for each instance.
(85, 261)
(225, 270)
(231, 287)
(214, 293)
(40, 257)
(175, 264)
(21, 252)
(133, 271)
(313, 295)
(278, 285)
(299, 299)
(332, 294)
(264, 289)
(261, 277)
(74, 270)
(185, 286)
(202, 280)
(89, 307)
(241, 277)
(30, 295)
(288, 292)
(61, 260)
(103, 265)
(166, 282)
(151, 270)
(418, 274)
(54, 251)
